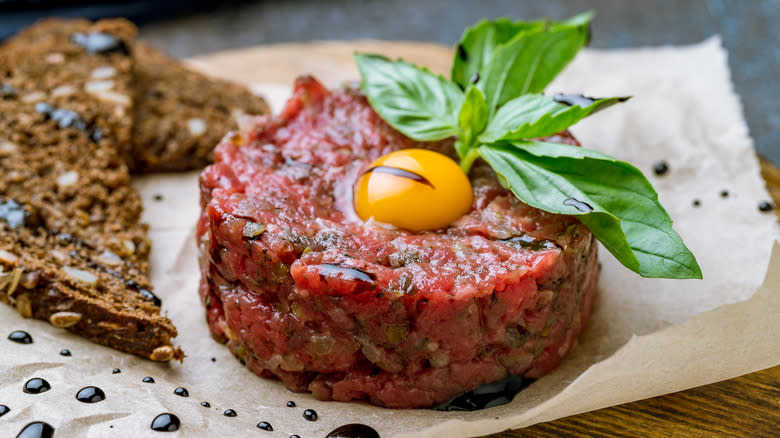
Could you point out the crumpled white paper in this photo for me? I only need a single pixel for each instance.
(646, 337)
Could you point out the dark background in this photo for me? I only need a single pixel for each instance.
(750, 30)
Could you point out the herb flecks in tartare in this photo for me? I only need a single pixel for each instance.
(494, 107)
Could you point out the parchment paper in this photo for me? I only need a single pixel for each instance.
(646, 337)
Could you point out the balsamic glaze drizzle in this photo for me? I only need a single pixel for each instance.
(403, 173)
(583, 207)
(351, 273)
(487, 396)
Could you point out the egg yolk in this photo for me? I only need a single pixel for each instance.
(414, 189)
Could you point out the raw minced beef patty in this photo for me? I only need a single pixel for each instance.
(301, 290)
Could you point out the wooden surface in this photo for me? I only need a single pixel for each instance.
(747, 406)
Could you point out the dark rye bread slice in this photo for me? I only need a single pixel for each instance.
(182, 114)
(72, 248)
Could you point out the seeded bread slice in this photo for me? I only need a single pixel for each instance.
(182, 114)
(72, 248)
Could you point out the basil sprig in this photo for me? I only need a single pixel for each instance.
(492, 107)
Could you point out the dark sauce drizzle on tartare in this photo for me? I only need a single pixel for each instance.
(403, 173)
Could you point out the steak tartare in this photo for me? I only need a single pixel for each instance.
(302, 290)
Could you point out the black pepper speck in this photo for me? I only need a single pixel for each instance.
(765, 206)
(661, 168)
(696, 202)
(158, 197)
(724, 193)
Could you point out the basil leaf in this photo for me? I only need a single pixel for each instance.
(471, 120)
(534, 115)
(416, 102)
(478, 43)
(610, 197)
(529, 62)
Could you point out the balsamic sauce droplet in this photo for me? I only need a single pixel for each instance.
(230, 413)
(20, 337)
(583, 207)
(310, 414)
(90, 394)
(116, 371)
(290, 404)
(148, 379)
(37, 429)
(36, 385)
(765, 206)
(4, 410)
(181, 392)
(295, 436)
(266, 426)
(166, 423)
(353, 431)
(205, 404)
(661, 168)
(65, 352)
